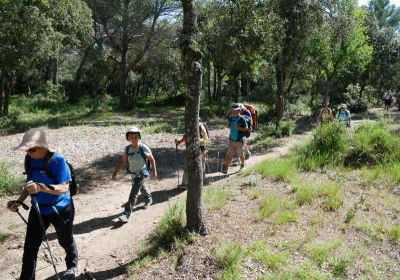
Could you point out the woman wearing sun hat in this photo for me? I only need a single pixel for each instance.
(54, 201)
(344, 115)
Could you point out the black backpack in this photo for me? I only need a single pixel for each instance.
(249, 122)
(73, 185)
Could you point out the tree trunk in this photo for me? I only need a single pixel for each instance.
(192, 59)
(123, 84)
(73, 96)
(209, 81)
(215, 82)
(279, 106)
(2, 91)
(236, 83)
(54, 71)
(7, 93)
(219, 86)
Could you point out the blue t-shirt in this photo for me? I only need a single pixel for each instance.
(234, 133)
(59, 168)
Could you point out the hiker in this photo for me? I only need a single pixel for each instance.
(203, 134)
(139, 158)
(325, 115)
(248, 116)
(343, 115)
(54, 202)
(388, 98)
(238, 126)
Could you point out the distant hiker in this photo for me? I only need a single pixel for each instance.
(343, 115)
(54, 202)
(238, 127)
(249, 120)
(388, 98)
(204, 136)
(325, 115)
(140, 164)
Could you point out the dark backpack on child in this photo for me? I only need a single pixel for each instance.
(73, 185)
(248, 124)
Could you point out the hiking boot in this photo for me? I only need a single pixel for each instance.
(247, 156)
(70, 273)
(123, 218)
(235, 162)
(224, 169)
(241, 166)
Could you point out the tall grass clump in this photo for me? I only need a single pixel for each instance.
(229, 256)
(327, 147)
(372, 144)
(215, 197)
(283, 168)
(280, 210)
(9, 182)
(169, 232)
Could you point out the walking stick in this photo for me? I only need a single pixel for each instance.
(177, 161)
(35, 204)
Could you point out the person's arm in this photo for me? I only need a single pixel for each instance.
(203, 135)
(153, 166)
(242, 126)
(35, 187)
(178, 142)
(13, 205)
(121, 163)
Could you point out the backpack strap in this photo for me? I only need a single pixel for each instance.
(141, 150)
(28, 166)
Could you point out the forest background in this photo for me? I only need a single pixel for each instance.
(67, 61)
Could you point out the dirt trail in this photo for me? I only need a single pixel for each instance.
(106, 246)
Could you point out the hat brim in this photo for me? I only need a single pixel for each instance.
(235, 109)
(29, 145)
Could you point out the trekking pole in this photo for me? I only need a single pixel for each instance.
(35, 204)
(177, 161)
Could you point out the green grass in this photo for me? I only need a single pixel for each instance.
(4, 236)
(279, 169)
(9, 183)
(169, 234)
(215, 197)
(229, 257)
(333, 195)
(320, 252)
(394, 234)
(305, 192)
(279, 210)
(340, 266)
(273, 260)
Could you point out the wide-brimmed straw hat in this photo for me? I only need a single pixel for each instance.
(34, 137)
(343, 106)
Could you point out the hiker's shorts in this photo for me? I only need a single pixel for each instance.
(235, 147)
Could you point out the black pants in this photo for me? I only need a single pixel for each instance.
(34, 235)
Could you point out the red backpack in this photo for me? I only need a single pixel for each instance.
(253, 112)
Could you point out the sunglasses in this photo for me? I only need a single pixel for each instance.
(32, 150)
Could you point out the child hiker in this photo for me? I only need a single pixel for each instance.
(139, 158)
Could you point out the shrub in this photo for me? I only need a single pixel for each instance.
(327, 147)
(372, 144)
(9, 182)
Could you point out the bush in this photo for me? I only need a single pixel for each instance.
(9, 183)
(327, 147)
(372, 144)
(286, 128)
(358, 106)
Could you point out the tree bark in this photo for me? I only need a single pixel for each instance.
(2, 91)
(279, 106)
(192, 59)
(73, 96)
(209, 81)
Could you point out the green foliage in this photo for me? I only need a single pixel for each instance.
(260, 252)
(278, 169)
(285, 128)
(333, 194)
(320, 252)
(305, 192)
(4, 236)
(394, 234)
(372, 144)
(215, 197)
(229, 256)
(327, 147)
(9, 183)
(169, 232)
(340, 266)
(279, 210)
